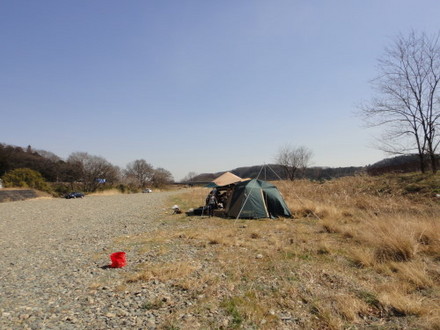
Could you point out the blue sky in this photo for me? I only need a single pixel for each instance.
(200, 86)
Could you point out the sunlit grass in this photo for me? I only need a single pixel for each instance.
(360, 250)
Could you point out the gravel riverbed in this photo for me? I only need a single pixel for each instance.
(53, 253)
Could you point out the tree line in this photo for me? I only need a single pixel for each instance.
(81, 170)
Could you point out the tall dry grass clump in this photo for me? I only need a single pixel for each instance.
(393, 240)
(380, 226)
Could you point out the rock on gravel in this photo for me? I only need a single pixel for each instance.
(52, 257)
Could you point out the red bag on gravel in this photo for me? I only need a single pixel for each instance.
(118, 260)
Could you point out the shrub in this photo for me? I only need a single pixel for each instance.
(122, 188)
(27, 178)
(63, 188)
(127, 189)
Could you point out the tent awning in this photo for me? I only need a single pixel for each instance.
(225, 179)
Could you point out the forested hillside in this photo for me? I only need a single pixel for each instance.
(79, 171)
(51, 167)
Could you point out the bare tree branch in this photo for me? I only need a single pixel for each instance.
(408, 102)
(293, 160)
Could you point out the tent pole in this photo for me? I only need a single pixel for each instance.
(242, 207)
(247, 197)
(261, 169)
(276, 174)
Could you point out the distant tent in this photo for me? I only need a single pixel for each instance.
(256, 199)
(225, 179)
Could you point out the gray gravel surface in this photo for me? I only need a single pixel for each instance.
(52, 257)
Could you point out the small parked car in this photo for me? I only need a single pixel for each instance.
(74, 195)
(147, 190)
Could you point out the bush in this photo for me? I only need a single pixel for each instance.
(127, 189)
(62, 188)
(122, 188)
(27, 178)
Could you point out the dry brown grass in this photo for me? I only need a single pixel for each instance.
(360, 252)
(163, 271)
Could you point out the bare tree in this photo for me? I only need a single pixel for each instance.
(161, 177)
(189, 177)
(93, 170)
(408, 99)
(48, 155)
(140, 171)
(293, 160)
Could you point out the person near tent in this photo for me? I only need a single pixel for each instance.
(212, 203)
(209, 195)
(223, 199)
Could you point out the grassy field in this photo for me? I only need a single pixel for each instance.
(360, 252)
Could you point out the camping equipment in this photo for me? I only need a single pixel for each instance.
(118, 260)
(225, 179)
(256, 199)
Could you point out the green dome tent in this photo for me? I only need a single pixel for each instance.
(256, 199)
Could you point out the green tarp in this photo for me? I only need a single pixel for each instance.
(256, 199)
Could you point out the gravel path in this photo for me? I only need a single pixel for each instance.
(52, 252)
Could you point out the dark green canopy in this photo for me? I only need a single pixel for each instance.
(256, 199)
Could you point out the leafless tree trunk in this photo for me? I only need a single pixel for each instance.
(408, 104)
(293, 160)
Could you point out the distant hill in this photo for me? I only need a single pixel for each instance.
(275, 172)
(400, 164)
